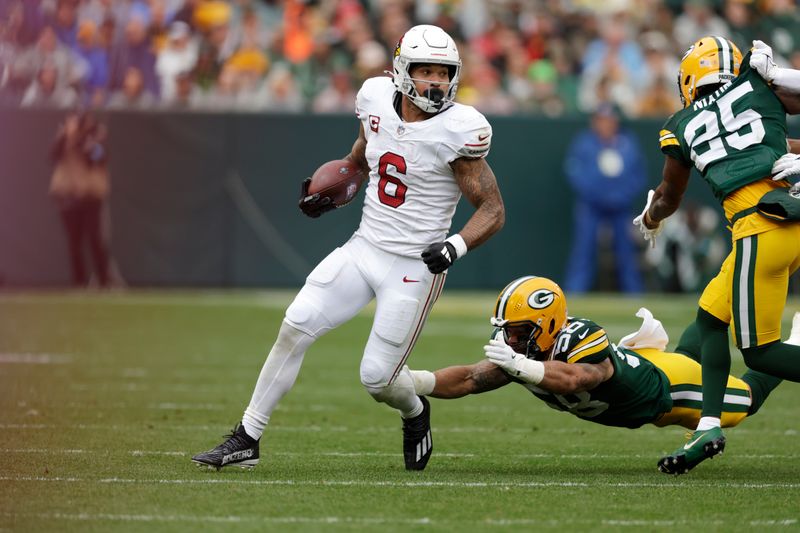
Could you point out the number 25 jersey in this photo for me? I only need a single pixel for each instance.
(412, 193)
(732, 136)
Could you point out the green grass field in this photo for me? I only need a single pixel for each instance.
(104, 397)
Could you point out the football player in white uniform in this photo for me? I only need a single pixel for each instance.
(422, 151)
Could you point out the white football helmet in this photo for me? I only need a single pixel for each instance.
(426, 44)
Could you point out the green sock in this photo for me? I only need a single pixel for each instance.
(716, 361)
(760, 386)
(690, 343)
(776, 359)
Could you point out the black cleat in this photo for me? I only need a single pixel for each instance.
(238, 450)
(417, 441)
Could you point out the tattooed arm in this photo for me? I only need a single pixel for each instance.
(458, 381)
(564, 378)
(358, 153)
(478, 184)
(559, 378)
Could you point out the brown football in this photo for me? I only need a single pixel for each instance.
(339, 180)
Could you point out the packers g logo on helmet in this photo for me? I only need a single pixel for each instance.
(709, 61)
(541, 299)
(531, 311)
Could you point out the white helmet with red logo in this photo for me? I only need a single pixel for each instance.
(427, 45)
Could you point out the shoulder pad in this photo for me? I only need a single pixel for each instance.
(581, 341)
(470, 131)
(668, 140)
(371, 91)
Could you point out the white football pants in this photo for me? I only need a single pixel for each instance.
(335, 291)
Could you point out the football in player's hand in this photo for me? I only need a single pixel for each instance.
(338, 180)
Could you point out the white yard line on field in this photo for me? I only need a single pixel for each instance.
(107, 517)
(581, 456)
(369, 483)
(364, 520)
(29, 358)
(278, 299)
(361, 430)
(44, 450)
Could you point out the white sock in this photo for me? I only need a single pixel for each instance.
(276, 378)
(708, 422)
(794, 335)
(404, 397)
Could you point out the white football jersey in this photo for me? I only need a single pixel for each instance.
(412, 192)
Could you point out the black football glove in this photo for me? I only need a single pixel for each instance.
(313, 205)
(439, 256)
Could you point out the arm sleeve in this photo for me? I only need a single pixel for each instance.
(787, 78)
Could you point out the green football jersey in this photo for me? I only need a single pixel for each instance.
(637, 393)
(732, 136)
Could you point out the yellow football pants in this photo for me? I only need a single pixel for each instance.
(750, 290)
(686, 390)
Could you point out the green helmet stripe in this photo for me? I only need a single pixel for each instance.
(725, 54)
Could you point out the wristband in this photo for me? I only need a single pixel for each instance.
(531, 371)
(458, 243)
(424, 381)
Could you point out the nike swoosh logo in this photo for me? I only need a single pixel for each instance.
(406, 280)
(483, 137)
(692, 443)
(583, 336)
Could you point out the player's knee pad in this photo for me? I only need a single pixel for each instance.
(303, 315)
(290, 336)
(395, 320)
(396, 391)
(374, 375)
(379, 393)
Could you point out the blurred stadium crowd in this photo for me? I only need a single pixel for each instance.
(552, 57)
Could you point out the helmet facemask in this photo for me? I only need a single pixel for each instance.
(531, 311)
(522, 338)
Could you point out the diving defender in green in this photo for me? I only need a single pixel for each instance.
(569, 363)
(733, 131)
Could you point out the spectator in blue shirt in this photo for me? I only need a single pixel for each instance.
(96, 57)
(605, 168)
(135, 51)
